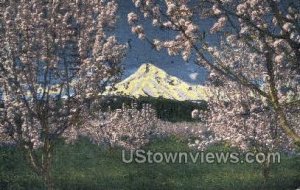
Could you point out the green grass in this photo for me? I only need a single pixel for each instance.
(86, 166)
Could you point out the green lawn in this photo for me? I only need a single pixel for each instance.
(86, 166)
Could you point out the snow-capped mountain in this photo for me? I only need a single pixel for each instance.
(152, 81)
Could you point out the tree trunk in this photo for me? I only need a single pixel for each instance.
(42, 169)
(47, 178)
(284, 124)
(266, 170)
(46, 165)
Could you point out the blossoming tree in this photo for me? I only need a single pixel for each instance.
(254, 68)
(55, 56)
(128, 127)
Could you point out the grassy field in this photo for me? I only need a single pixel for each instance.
(86, 166)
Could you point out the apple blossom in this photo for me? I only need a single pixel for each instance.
(267, 29)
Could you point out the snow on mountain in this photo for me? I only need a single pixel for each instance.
(152, 81)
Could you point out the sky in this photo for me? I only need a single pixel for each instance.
(142, 52)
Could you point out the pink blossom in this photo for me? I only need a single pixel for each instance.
(132, 17)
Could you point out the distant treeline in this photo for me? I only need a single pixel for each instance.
(166, 109)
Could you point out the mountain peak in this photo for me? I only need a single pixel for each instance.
(150, 80)
(146, 67)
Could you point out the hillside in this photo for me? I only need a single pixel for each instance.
(151, 81)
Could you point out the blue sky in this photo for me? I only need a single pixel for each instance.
(141, 52)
